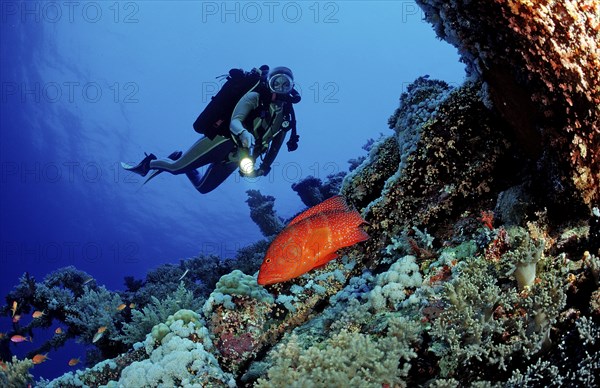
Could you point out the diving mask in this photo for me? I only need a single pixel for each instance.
(281, 83)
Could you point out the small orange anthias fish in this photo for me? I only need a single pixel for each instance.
(37, 314)
(14, 307)
(39, 358)
(99, 334)
(311, 240)
(19, 338)
(74, 361)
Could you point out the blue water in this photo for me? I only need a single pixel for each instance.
(86, 85)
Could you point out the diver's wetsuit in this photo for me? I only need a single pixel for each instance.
(220, 153)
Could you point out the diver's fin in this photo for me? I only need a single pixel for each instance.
(142, 167)
(173, 156)
(154, 173)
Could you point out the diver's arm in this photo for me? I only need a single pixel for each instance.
(276, 143)
(245, 105)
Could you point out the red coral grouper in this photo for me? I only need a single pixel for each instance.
(311, 239)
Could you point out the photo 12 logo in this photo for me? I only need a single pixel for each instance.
(68, 92)
(410, 10)
(327, 92)
(269, 11)
(22, 12)
(65, 172)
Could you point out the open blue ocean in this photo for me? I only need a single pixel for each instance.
(87, 85)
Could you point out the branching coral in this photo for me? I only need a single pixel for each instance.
(142, 320)
(574, 362)
(485, 322)
(346, 359)
(15, 373)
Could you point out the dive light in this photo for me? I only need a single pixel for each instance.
(246, 162)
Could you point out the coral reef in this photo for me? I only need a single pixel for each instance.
(346, 359)
(263, 214)
(482, 209)
(179, 355)
(73, 298)
(452, 156)
(142, 320)
(540, 63)
(237, 313)
(15, 373)
(175, 353)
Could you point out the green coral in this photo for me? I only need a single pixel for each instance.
(235, 283)
(486, 324)
(15, 373)
(142, 321)
(347, 359)
(94, 309)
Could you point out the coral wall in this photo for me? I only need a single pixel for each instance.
(540, 61)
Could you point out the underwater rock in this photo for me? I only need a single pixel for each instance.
(540, 62)
(309, 190)
(237, 312)
(263, 214)
(453, 163)
(364, 184)
(313, 191)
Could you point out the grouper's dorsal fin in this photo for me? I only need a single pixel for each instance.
(335, 203)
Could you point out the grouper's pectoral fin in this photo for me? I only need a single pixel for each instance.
(322, 262)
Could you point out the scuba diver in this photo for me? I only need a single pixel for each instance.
(237, 131)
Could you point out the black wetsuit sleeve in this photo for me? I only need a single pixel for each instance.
(273, 150)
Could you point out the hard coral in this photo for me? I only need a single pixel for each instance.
(453, 162)
(237, 313)
(365, 183)
(541, 63)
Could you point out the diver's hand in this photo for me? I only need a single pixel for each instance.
(262, 171)
(248, 174)
(247, 139)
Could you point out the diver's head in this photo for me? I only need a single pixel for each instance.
(280, 80)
